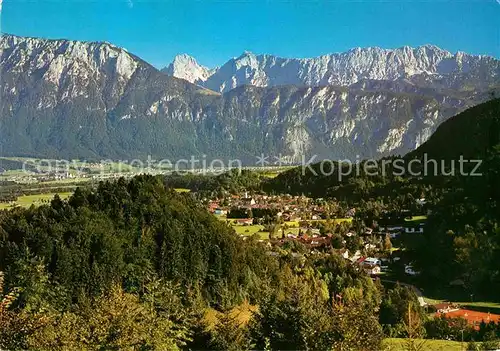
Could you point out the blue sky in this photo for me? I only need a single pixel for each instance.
(214, 31)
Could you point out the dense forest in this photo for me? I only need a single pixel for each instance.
(233, 181)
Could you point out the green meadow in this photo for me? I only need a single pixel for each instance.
(37, 200)
(394, 344)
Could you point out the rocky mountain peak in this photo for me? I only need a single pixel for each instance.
(186, 67)
(59, 57)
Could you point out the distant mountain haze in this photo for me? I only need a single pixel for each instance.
(71, 99)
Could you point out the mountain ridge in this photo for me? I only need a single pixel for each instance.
(186, 67)
(70, 99)
(426, 62)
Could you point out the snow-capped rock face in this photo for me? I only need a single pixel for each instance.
(66, 70)
(69, 99)
(186, 67)
(52, 56)
(425, 64)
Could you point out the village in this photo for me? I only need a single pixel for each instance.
(304, 226)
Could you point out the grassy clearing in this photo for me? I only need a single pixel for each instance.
(250, 230)
(416, 220)
(480, 306)
(426, 345)
(37, 200)
(431, 301)
(292, 227)
(247, 230)
(182, 190)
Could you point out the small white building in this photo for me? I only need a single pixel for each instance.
(372, 261)
(410, 271)
(412, 230)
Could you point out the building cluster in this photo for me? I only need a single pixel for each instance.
(289, 208)
(302, 220)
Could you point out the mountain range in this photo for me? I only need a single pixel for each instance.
(424, 66)
(72, 99)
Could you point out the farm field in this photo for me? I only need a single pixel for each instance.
(67, 181)
(37, 200)
(394, 344)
